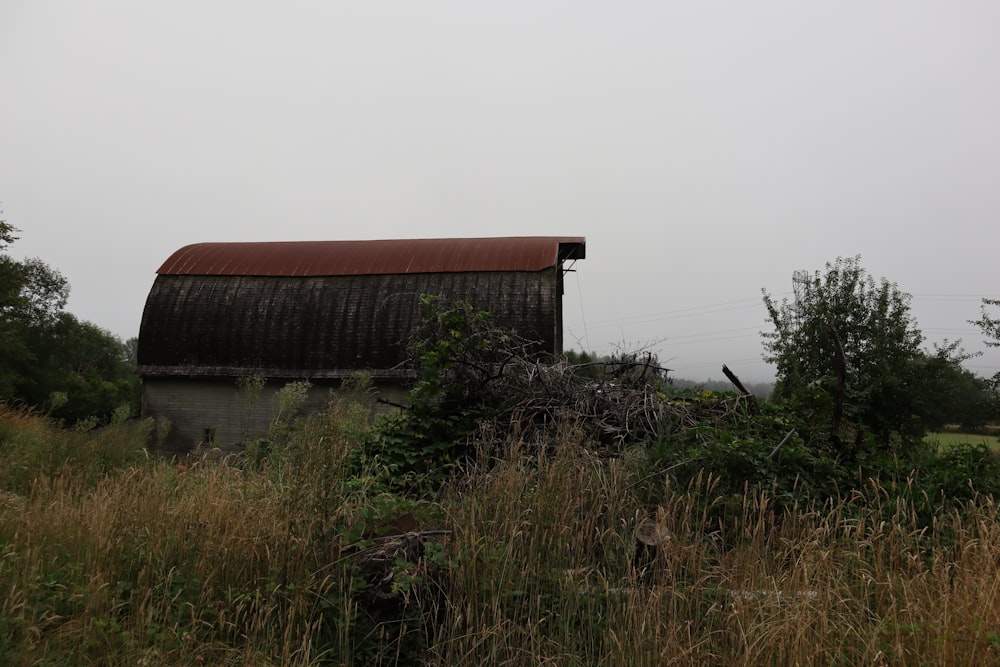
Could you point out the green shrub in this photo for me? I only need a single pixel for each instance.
(959, 473)
(460, 356)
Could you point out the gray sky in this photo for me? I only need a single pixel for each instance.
(705, 149)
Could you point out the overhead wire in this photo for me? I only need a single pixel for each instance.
(742, 304)
(680, 313)
(739, 304)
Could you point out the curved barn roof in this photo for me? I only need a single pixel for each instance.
(329, 308)
(358, 258)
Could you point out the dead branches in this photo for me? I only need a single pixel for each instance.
(615, 404)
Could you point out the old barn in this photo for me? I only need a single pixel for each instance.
(321, 311)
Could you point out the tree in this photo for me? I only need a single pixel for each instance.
(847, 348)
(990, 327)
(13, 352)
(950, 394)
(80, 372)
(43, 292)
(132, 351)
(48, 358)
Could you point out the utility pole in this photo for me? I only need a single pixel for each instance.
(800, 279)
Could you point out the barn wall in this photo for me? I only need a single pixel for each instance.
(198, 332)
(211, 324)
(203, 409)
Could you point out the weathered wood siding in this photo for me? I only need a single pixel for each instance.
(328, 326)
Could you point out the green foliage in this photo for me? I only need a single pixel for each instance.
(750, 448)
(951, 394)
(459, 356)
(990, 326)
(960, 473)
(84, 363)
(47, 353)
(853, 339)
(944, 480)
(758, 389)
(131, 350)
(290, 400)
(633, 367)
(775, 449)
(587, 364)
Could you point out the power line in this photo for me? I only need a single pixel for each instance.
(672, 342)
(957, 297)
(680, 313)
(711, 333)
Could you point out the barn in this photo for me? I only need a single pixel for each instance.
(321, 311)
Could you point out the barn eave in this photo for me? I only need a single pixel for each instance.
(194, 371)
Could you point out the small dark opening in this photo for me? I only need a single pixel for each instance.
(209, 438)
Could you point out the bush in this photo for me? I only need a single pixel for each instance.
(960, 473)
(748, 446)
(460, 356)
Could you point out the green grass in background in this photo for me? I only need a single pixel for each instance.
(945, 439)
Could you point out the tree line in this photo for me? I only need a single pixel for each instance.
(52, 361)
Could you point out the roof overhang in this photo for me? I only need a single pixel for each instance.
(399, 256)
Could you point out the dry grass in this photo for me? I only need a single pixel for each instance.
(227, 566)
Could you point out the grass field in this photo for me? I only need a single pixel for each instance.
(112, 557)
(949, 438)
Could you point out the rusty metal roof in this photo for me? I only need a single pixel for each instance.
(384, 257)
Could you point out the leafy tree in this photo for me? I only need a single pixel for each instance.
(951, 394)
(846, 349)
(12, 348)
(990, 327)
(80, 371)
(132, 350)
(43, 293)
(48, 358)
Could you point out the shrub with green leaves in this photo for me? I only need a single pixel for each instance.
(460, 356)
(959, 473)
(747, 447)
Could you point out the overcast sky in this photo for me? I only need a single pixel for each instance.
(705, 149)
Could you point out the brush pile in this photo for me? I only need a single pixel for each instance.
(614, 403)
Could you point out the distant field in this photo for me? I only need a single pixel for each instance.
(948, 438)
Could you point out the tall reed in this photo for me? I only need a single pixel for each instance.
(534, 560)
(546, 573)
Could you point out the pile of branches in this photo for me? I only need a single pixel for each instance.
(473, 372)
(401, 598)
(614, 403)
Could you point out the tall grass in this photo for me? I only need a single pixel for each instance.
(553, 581)
(159, 564)
(110, 559)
